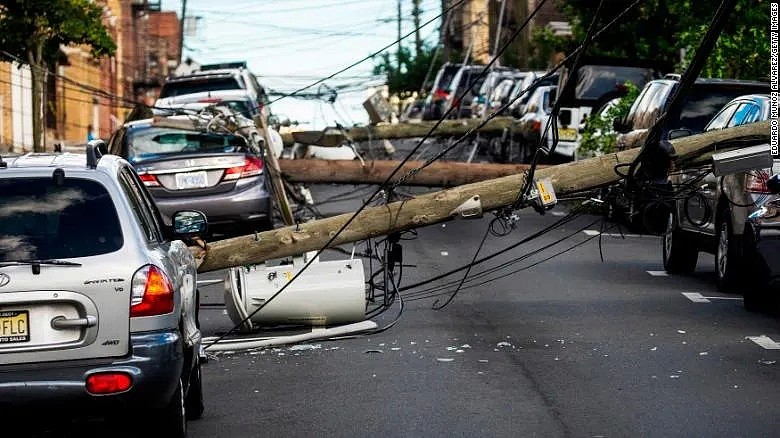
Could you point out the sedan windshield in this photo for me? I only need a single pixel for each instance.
(146, 143)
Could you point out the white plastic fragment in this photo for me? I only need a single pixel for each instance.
(483, 361)
(465, 346)
(460, 351)
(395, 348)
(682, 332)
(444, 359)
(305, 347)
(674, 376)
(704, 353)
(452, 348)
(767, 362)
(445, 253)
(503, 344)
(654, 349)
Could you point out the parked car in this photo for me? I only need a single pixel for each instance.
(597, 80)
(98, 298)
(241, 101)
(214, 172)
(761, 290)
(531, 125)
(705, 100)
(714, 218)
(495, 88)
(216, 77)
(463, 89)
(434, 101)
(524, 88)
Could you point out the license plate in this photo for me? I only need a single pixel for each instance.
(14, 326)
(191, 180)
(567, 134)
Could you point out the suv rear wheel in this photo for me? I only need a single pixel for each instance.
(679, 253)
(726, 259)
(172, 419)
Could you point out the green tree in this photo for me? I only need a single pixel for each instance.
(407, 73)
(659, 29)
(598, 137)
(34, 31)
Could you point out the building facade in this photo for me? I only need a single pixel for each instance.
(83, 92)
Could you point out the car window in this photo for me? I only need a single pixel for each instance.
(593, 81)
(41, 219)
(740, 116)
(139, 211)
(701, 106)
(720, 120)
(643, 112)
(170, 89)
(152, 142)
(754, 115)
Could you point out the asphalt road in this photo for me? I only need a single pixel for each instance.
(570, 347)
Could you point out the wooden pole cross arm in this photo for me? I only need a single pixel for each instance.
(440, 206)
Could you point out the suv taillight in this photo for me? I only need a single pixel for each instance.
(149, 180)
(253, 166)
(152, 293)
(756, 182)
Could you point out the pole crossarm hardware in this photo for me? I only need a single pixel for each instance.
(403, 130)
(439, 206)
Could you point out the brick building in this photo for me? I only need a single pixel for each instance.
(83, 91)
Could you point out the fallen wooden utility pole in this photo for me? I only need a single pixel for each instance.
(441, 206)
(399, 130)
(437, 174)
(276, 177)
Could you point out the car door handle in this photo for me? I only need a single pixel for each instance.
(62, 323)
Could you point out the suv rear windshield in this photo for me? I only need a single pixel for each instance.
(704, 102)
(148, 143)
(445, 77)
(41, 220)
(170, 89)
(594, 81)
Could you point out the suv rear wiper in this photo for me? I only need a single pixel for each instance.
(36, 264)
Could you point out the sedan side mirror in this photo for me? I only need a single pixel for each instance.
(189, 223)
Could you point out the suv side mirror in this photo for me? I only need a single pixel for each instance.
(189, 223)
(679, 133)
(773, 184)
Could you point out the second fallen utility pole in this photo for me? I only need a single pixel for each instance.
(441, 206)
(437, 174)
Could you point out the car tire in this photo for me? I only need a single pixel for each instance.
(726, 257)
(194, 400)
(172, 419)
(679, 253)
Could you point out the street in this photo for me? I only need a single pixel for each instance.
(571, 347)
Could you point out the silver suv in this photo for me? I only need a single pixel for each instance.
(98, 300)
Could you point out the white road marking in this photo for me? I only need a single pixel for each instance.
(618, 235)
(658, 273)
(696, 297)
(765, 342)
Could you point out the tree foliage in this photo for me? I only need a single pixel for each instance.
(659, 29)
(26, 26)
(598, 137)
(407, 72)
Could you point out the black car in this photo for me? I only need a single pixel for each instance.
(762, 251)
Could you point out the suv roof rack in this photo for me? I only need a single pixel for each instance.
(673, 76)
(223, 66)
(93, 152)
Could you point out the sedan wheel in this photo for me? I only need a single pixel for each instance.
(726, 261)
(173, 417)
(679, 253)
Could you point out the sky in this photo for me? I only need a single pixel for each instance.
(292, 43)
